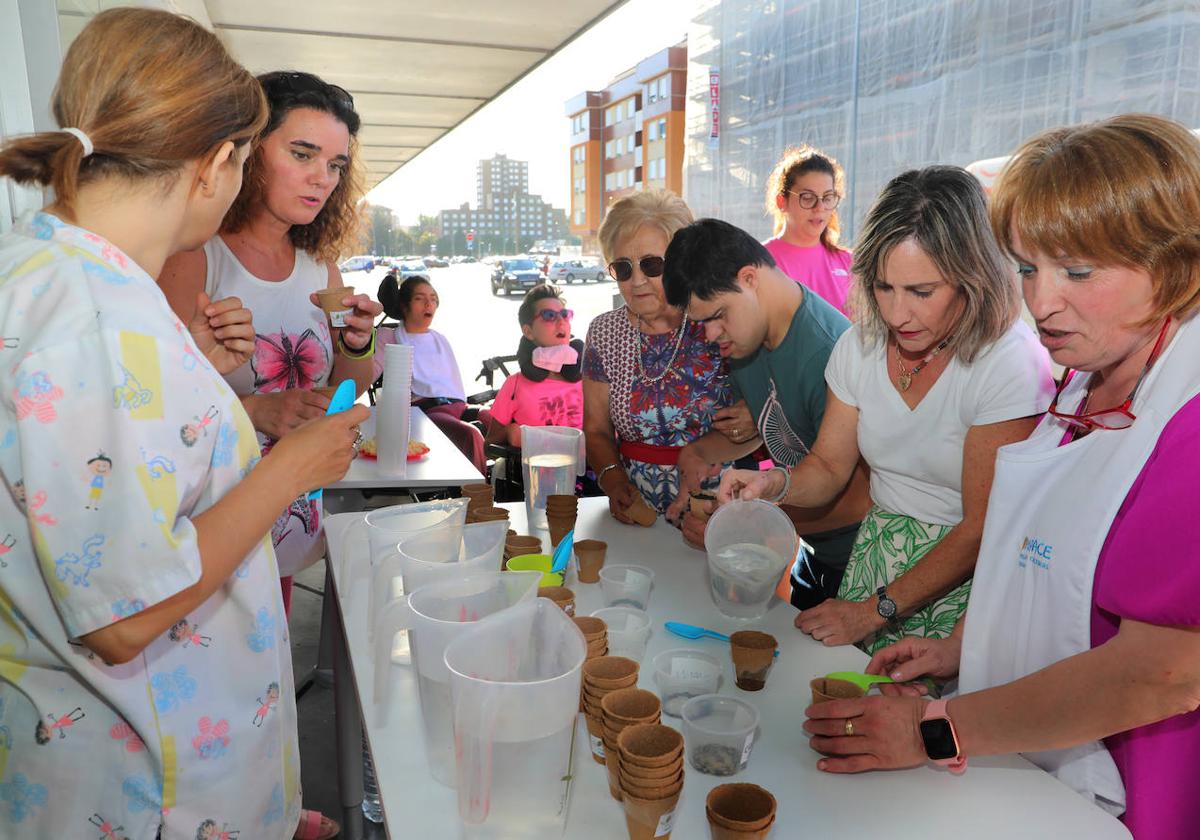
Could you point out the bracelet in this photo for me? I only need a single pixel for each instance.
(604, 470)
(365, 353)
(787, 484)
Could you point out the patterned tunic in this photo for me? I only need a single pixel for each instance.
(196, 735)
(673, 411)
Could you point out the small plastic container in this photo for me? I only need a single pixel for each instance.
(683, 673)
(537, 563)
(626, 586)
(719, 733)
(628, 631)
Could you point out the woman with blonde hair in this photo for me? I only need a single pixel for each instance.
(936, 374)
(803, 193)
(1081, 645)
(131, 485)
(279, 245)
(651, 382)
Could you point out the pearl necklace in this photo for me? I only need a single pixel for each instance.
(667, 367)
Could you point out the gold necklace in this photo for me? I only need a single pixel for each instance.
(906, 376)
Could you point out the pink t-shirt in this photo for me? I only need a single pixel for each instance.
(1149, 570)
(551, 402)
(825, 272)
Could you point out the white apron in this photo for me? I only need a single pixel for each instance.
(1049, 513)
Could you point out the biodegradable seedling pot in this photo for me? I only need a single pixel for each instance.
(651, 776)
(612, 764)
(591, 627)
(699, 505)
(491, 514)
(753, 655)
(650, 745)
(641, 513)
(649, 819)
(629, 706)
(523, 545)
(610, 672)
(590, 554)
(652, 792)
(742, 810)
(331, 303)
(595, 737)
(825, 689)
(560, 595)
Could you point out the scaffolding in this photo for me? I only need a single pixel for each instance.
(887, 85)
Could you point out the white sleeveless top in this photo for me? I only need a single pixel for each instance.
(293, 349)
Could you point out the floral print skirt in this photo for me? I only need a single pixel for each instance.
(888, 545)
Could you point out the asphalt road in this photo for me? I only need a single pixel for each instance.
(480, 325)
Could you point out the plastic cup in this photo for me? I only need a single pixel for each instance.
(683, 673)
(536, 563)
(749, 545)
(626, 586)
(628, 631)
(719, 732)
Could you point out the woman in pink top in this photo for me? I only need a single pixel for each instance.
(803, 192)
(1080, 647)
(549, 389)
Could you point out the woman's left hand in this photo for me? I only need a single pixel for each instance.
(360, 323)
(886, 733)
(223, 331)
(837, 622)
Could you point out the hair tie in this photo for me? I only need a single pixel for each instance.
(84, 140)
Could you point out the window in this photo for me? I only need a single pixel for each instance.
(608, 150)
(652, 132)
(662, 128)
(620, 146)
(664, 87)
(610, 116)
(631, 108)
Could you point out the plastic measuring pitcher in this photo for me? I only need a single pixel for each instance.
(515, 679)
(433, 555)
(386, 526)
(551, 458)
(434, 615)
(749, 544)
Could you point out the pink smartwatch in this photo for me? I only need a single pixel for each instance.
(941, 741)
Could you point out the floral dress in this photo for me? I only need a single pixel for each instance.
(672, 411)
(114, 434)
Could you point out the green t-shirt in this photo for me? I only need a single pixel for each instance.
(785, 387)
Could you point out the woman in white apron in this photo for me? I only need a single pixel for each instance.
(1080, 647)
(278, 246)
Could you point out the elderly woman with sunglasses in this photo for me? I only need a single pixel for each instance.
(1081, 643)
(651, 382)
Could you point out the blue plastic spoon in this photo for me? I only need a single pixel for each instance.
(343, 400)
(562, 554)
(691, 631)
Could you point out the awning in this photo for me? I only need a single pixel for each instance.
(416, 70)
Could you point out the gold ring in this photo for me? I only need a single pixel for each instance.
(849, 727)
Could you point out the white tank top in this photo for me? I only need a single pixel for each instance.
(293, 349)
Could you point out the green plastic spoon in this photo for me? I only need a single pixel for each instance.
(863, 681)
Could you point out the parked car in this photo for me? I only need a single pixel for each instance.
(571, 270)
(413, 269)
(515, 275)
(435, 262)
(358, 264)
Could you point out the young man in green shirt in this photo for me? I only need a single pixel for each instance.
(778, 336)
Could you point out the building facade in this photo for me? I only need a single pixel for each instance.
(627, 137)
(506, 217)
(889, 85)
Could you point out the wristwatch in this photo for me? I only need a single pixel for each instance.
(886, 607)
(941, 741)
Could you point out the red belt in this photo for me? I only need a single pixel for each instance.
(648, 453)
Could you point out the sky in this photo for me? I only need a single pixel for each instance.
(529, 122)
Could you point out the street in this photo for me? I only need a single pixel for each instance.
(480, 325)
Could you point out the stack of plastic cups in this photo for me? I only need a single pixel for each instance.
(392, 420)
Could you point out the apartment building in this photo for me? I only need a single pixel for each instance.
(506, 216)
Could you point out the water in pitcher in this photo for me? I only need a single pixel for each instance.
(547, 475)
(527, 789)
(437, 711)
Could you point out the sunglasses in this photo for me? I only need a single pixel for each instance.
(622, 269)
(808, 199)
(552, 315)
(296, 82)
(1115, 418)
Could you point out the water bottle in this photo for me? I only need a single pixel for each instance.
(372, 806)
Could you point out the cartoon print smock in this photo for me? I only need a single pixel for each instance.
(114, 433)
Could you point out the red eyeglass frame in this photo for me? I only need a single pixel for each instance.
(1089, 419)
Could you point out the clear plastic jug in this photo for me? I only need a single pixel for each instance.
(515, 680)
(435, 615)
(749, 544)
(551, 458)
(433, 555)
(386, 526)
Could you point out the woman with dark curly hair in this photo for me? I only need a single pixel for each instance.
(278, 246)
